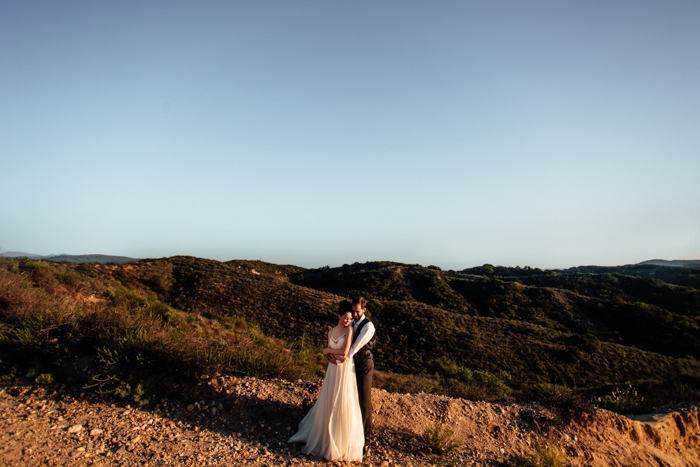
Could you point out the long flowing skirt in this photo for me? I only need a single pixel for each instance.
(333, 427)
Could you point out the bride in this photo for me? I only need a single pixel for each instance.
(333, 427)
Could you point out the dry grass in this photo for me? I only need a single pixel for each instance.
(540, 456)
(123, 335)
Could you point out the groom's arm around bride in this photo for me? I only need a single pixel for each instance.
(361, 352)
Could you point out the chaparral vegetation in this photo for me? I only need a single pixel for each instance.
(626, 339)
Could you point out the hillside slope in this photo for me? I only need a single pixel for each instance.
(482, 334)
(581, 329)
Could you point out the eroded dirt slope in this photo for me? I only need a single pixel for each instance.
(245, 421)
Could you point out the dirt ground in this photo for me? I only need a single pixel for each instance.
(245, 421)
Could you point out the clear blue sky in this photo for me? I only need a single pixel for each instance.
(549, 134)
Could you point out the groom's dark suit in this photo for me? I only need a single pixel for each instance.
(364, 371)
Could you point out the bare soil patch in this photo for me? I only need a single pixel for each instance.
(244, 421)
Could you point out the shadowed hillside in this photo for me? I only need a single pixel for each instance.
(485, 333)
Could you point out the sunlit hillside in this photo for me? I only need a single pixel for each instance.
(486, 333)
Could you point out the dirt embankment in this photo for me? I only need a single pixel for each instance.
(243, 421)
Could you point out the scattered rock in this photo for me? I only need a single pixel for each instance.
(254, 431)
(75, 429)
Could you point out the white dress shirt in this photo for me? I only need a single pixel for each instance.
(365, 336)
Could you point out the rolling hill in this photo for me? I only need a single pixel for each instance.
(488, 332)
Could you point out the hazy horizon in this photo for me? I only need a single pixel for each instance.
(17, 253)
(546, 134)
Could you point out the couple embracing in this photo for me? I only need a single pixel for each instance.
(336, 426)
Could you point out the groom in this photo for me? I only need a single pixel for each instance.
(364, 363)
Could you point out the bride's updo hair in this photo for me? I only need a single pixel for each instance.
(344, 307)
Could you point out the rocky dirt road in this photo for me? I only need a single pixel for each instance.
(245, 421)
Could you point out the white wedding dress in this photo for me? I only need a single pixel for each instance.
(333, 427)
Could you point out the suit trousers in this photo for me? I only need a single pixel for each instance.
(364, 372)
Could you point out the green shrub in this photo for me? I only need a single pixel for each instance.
(459, 381)
(521, 460)
(29, 335)
(68, 279)
(566, 404)
(450, 370)
(549, 456)
(623, 400)
(541, 456)
(161, 312)
(440, 439)
(115, 386)
(44, 378)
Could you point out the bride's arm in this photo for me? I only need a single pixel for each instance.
(328, 349)
(326, 352)
(340, 353)
(342, 356)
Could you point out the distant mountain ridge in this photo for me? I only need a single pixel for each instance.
(72, 258)
(97, 258)
(653, 263)
(20, 254)
(674, 264)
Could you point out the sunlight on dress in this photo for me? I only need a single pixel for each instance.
(333, 427)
